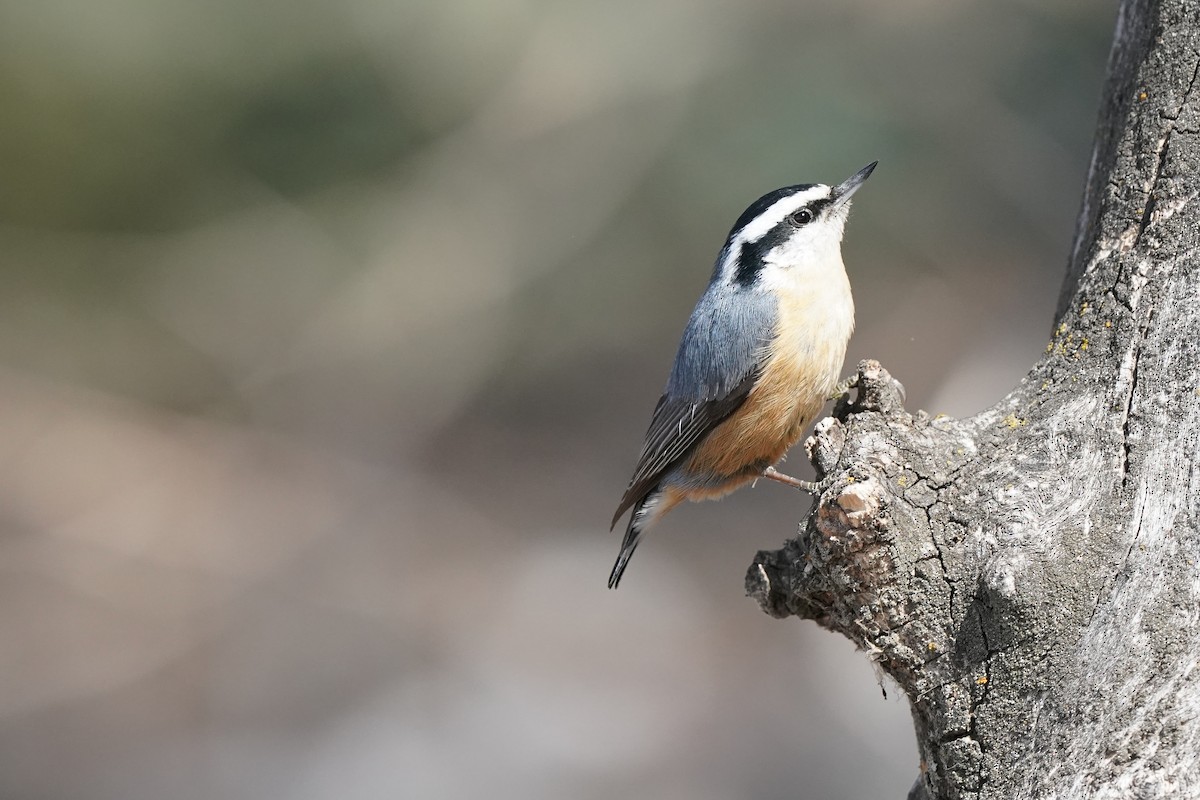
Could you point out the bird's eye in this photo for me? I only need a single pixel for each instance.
(802, 217)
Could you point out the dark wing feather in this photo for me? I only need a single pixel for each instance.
(677, 425)
(716, 367)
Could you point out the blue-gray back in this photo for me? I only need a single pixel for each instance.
(723, 342)
(715, 369)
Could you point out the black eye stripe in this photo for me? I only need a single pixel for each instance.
(752, 255)
(749, 256)
(749, 264)
(808, 212)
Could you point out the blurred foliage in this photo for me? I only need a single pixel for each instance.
(330, 329)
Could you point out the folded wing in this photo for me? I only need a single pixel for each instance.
(677, 426)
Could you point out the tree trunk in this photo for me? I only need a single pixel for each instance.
(1029, 576)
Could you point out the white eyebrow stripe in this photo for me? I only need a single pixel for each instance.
(777, 211)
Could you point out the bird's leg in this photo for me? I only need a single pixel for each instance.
(842, 388)
(813, 487)
(770, 473)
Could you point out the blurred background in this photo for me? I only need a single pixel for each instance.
(330, 330)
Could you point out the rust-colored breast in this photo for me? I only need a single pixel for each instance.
(801, 366)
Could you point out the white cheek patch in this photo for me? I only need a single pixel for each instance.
(777, 211)
(811, 253)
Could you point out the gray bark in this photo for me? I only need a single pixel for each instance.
(1029, 576)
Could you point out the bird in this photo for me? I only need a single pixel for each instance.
(761, 354)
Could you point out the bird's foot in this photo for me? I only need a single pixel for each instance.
(770, 473)
(843, 388)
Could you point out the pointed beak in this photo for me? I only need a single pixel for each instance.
(842, 192)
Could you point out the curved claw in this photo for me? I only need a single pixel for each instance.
(843, 388)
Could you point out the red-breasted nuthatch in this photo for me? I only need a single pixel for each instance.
(761, 354)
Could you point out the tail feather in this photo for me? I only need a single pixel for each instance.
(633, 535)
(645, 512)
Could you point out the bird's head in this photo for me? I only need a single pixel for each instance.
(794, 228)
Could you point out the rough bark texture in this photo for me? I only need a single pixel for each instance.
(1029, 576)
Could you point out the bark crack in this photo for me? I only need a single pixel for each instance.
(1126, 445)
(1164, 145)
(1186, 94)
(1137, 533)
(1112, 292)
(941, 557)
(1128, 411)
(976, 703)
